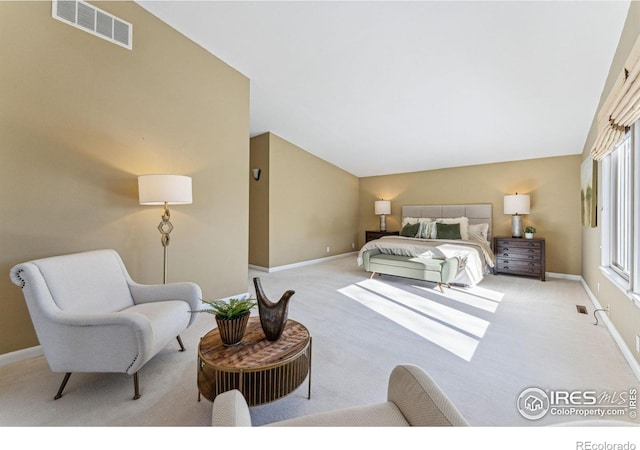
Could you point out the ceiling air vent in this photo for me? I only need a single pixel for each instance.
(93, 20)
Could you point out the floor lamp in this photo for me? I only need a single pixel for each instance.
(163, 189)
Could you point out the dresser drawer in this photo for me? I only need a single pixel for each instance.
(519, 253)
(515, 264)
(519, 243)
(521, 271)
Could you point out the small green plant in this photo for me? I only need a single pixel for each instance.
(228, 309)
(529, 229)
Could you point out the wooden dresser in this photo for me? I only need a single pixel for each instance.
(519, 256)
(370, 235)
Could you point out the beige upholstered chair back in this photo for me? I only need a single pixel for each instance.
(420, 399)
(86, 282)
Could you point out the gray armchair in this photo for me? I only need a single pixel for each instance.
(90, 316)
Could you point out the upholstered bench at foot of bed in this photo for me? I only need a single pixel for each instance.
(440, 271)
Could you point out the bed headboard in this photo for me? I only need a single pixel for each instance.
(477, 213)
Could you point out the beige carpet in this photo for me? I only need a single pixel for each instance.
(482, 346)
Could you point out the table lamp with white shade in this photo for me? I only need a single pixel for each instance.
(516, 205)
(382, 208)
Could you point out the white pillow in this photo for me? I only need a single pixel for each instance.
(427, 229)
(406, 220)
(464, 226)
(479, 232)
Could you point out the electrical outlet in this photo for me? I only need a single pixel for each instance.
(328, 249)
(598, 287)
(608, 309)
(353, 245)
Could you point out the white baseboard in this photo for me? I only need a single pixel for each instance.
(20, 355)
(564, 276)
(300, 264)
(626, 351)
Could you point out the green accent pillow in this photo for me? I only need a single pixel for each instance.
(410, 230)
(448, 231)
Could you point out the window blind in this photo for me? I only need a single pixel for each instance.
(621, 108)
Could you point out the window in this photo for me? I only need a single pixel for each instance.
(621, 214)
(620, 204)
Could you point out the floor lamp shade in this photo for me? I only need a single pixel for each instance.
(516, 205)
(161, 189)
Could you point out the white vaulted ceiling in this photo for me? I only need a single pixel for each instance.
(388, 87)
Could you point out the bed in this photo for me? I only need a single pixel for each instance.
(451, 245)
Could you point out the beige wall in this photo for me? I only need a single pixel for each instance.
(552, 183)
(259, 202)
(312, 205)
(80, 118)
(623, 313)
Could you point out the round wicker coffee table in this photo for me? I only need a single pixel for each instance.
(263, 371)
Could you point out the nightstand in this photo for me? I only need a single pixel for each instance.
(371, 235)
(519, 256)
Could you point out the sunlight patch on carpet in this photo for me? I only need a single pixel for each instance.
(484, 299)
(442, 313)
(446, 337)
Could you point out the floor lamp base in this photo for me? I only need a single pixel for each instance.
(165, 265)
(165, 228)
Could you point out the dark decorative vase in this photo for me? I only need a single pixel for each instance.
(232, 330)
(273, 316)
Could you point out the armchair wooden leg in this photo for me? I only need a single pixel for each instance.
(136, 386)
(62, 386)
(180, 342)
